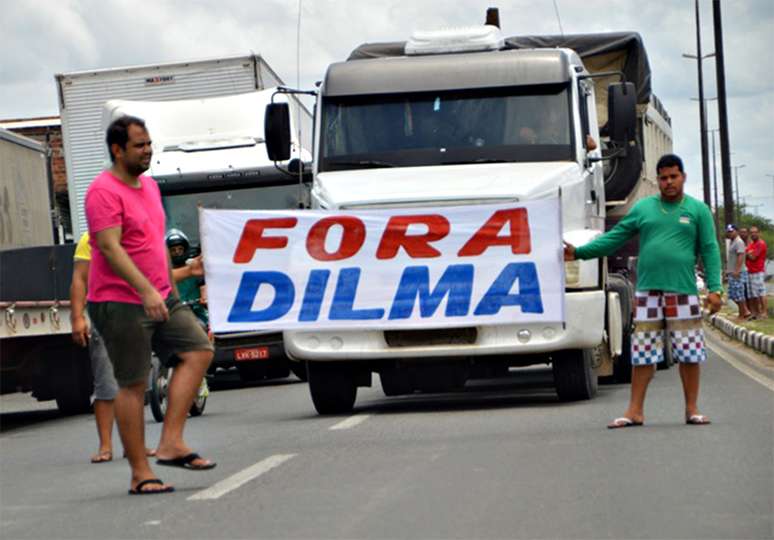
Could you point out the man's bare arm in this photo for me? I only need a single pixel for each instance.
(109, 243)
(78, 288)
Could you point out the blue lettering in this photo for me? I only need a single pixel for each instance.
(344, 298)
(284, 294)
(313, 297)
(528, 297)
(456, 281)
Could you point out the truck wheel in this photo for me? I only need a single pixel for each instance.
(574, 376)
(299, 370)
(333, 388)
(395, 382)
(622, 365)
(158, 394)
(73, 394)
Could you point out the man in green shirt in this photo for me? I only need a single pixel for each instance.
(674, 228)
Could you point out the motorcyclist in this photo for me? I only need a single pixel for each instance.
(190, 289)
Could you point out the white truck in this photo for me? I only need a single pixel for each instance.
(36, 353)
(466, 117)
(210, 153)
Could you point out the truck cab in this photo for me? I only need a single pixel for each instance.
(455, 118)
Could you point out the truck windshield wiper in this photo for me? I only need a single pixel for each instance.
(365, 163)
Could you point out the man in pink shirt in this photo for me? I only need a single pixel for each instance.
(135, 307)
(756, 267)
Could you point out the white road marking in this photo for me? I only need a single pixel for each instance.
(741, 366)
(153, 522)
(242, 477)
(350, 422)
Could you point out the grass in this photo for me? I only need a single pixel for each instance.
(766, 326)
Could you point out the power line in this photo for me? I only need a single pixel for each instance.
(558, 18)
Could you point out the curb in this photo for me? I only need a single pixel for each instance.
(755, 340)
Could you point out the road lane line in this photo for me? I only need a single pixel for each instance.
(239, 479)
(741, 366)
(350, 422)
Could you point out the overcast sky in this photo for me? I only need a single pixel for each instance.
(44, 37)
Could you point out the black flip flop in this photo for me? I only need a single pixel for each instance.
(139, 491)
(186, 462)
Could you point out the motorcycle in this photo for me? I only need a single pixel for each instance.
(161, 375)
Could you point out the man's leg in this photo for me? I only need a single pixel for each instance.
(129, 411)
(647, 350)
(186, 379)
(103, 414)
(641, 377)
(686, 336)
(183, 336)
(689, 375)
(105, 390)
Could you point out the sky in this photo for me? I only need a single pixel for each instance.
(41, 38)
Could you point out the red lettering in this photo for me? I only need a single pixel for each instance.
(352, 238)
(253, 239)
(488, 234)
(417, 246)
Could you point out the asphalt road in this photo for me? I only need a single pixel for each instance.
(503, 459)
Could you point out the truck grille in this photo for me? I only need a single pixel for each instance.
(424, 338)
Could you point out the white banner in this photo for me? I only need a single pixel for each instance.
(383, 269)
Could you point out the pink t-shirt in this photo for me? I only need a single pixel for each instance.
(139, 213)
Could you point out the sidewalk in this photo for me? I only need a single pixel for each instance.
(756, 340)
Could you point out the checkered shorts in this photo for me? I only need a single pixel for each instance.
(736, 290)
(680, 315)
(756, 284)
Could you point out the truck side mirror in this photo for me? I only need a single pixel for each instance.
(276, 129)
(622, 112)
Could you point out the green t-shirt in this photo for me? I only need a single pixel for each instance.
(671, 237)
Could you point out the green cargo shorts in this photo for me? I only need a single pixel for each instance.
(130, 336)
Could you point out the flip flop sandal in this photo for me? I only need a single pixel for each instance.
(623, 422)
(186, 462)
(139, 491)
(102, 457)
(697, 420)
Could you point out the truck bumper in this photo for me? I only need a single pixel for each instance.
(583, 328)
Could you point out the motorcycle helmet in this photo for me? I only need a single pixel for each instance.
(176, 237)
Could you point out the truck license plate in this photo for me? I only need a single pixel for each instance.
(254, 353)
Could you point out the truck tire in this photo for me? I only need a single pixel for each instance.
(622, 365)
(299, 370)
(396, 382)
(574, 376)
(623, 175)
(73, 391)
(333, 388)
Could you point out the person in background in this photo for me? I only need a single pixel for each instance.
(736, 272)
(105, 385)
(134, 304)
(755, 260)
(674, 228)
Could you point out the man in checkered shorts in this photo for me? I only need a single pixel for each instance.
(673, 228)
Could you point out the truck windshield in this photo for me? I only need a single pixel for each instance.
(182, 209)
(519, 124)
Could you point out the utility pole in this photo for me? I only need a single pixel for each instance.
(736, 182)
(715, 179)
(720, 72)
(702, 114)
